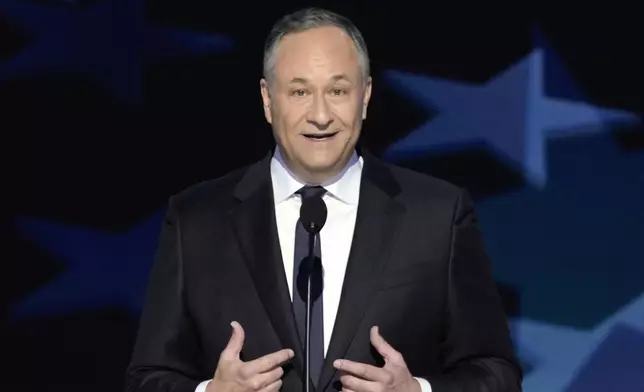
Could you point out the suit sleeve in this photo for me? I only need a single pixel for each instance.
(477, 351)
(167, 349)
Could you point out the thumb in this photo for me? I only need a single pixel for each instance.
(236, 342)
(381, 345)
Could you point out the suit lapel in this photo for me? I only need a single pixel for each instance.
(255, 225)
(376, 226)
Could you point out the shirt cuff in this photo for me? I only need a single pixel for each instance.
(202, 386)
(424, 384)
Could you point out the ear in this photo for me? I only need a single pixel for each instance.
(367, 97)
(266, 99)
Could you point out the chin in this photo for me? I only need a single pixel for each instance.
(319, 167)
(322, 159)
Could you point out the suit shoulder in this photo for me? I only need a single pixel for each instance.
(208, 193)
(418, 185)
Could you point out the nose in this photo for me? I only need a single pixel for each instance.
(320, 113)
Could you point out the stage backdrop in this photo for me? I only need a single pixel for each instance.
(111, 106)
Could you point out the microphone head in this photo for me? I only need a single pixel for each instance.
(313, 214)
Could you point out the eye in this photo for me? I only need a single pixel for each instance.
(338, 91)
(298, 93)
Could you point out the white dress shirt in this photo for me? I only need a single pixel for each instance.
(341, 199)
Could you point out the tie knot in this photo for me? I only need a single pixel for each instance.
(311, 191)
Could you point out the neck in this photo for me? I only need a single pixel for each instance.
(316, 177)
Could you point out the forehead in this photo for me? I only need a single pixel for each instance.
(316, 52)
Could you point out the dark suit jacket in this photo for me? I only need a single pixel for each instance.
(417, 269)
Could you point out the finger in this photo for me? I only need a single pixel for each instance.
(384, 348)
(267, 362)
(274, 387)
(356, 384)
(362, 370)
(261, 380)
(235, 344)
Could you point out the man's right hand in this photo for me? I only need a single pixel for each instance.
(262, 374)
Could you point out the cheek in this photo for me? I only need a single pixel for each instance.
(349, 114)
(292, 121)
(286, 120)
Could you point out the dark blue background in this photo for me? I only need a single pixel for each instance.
(111, 106)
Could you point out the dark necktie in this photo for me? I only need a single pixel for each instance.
(300, 290)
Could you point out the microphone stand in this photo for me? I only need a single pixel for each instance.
(313, 214)
(309, 306)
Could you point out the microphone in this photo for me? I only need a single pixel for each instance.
(313, 214)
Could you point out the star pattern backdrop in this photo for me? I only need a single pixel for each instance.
(111, 106)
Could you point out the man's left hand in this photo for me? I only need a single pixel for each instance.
(393, 377)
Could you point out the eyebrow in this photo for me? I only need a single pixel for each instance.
(335, 78)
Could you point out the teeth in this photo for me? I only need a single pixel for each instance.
(317, 136)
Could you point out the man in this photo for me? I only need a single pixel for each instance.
(408, 303)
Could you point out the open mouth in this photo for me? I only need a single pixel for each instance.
(320, 136)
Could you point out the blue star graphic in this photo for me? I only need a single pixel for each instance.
(568, 358)
(106, 42)
(102, 269)
(510, 113)
(583, 229)
(615, 365)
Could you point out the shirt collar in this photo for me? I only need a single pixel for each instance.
(345, 186)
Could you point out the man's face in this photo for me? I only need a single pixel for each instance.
(316, 101)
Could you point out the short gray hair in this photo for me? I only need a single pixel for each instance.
(310, 18)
